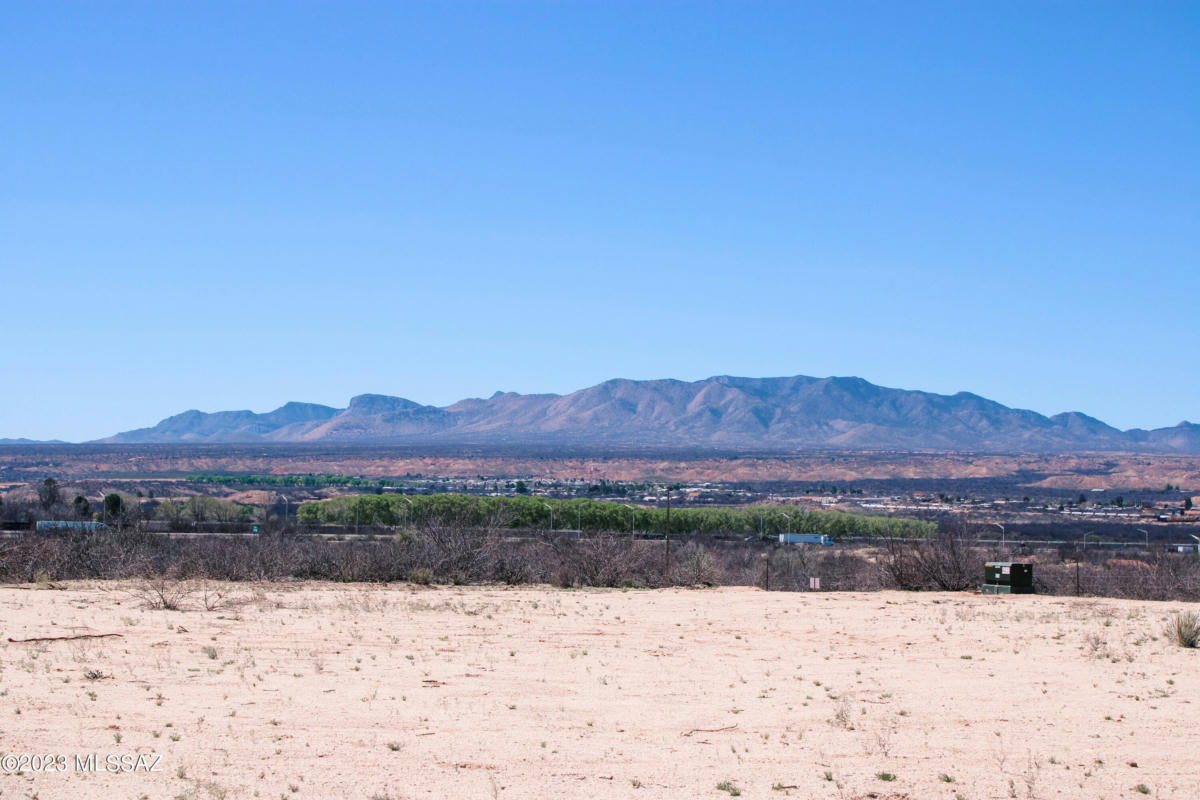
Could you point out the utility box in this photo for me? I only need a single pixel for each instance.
(1007, 577)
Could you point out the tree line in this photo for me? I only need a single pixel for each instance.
(596, 516)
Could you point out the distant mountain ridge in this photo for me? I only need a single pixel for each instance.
(720, 412)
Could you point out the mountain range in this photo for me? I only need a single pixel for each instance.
(722, 412)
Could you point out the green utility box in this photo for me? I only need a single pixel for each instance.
(1007, 577)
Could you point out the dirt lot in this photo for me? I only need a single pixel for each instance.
(325, 691)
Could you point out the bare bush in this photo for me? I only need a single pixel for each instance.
(215, 598)
(697, 566)
(164, 593)
(948, 563)
(457, 553)
(943, 563)
(606, 560)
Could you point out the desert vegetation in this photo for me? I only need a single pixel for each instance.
(443, 553)
(593, 515)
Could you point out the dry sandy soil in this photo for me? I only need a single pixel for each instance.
(328, 691)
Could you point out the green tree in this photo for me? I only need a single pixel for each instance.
(48, 493)
(83, 509)
(113, 506)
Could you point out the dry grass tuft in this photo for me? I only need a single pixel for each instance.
(1184, 629)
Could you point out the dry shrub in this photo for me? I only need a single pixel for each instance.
(1184, 629)
(215, 598)
(696, 566)
(455, 552)
(942, 563)
(607, 560)
(164, 593)
(459, 553)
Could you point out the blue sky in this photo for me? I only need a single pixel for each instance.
(232, 205)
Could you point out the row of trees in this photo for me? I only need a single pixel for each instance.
(594, 515)
(124, 510)
(50, 496)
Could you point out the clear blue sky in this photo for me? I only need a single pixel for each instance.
(232, 205)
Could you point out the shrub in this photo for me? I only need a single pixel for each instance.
(696, 566)
(164, 593)
(1184, 629)
(167, 570)
(942, 563)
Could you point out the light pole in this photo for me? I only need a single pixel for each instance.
(551, 509)
(1003, 536)
(632, 520)
(788, 517)
(407, 511)
(667, 553)
(285, 510)
(1143, 530)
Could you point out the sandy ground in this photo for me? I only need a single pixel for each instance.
(324, 691)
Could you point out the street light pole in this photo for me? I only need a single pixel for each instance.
(632, 520)
(551, 509)
(788, 517)
(285, 510)
(667, 556)
(1003, 536)
(1143, 530)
